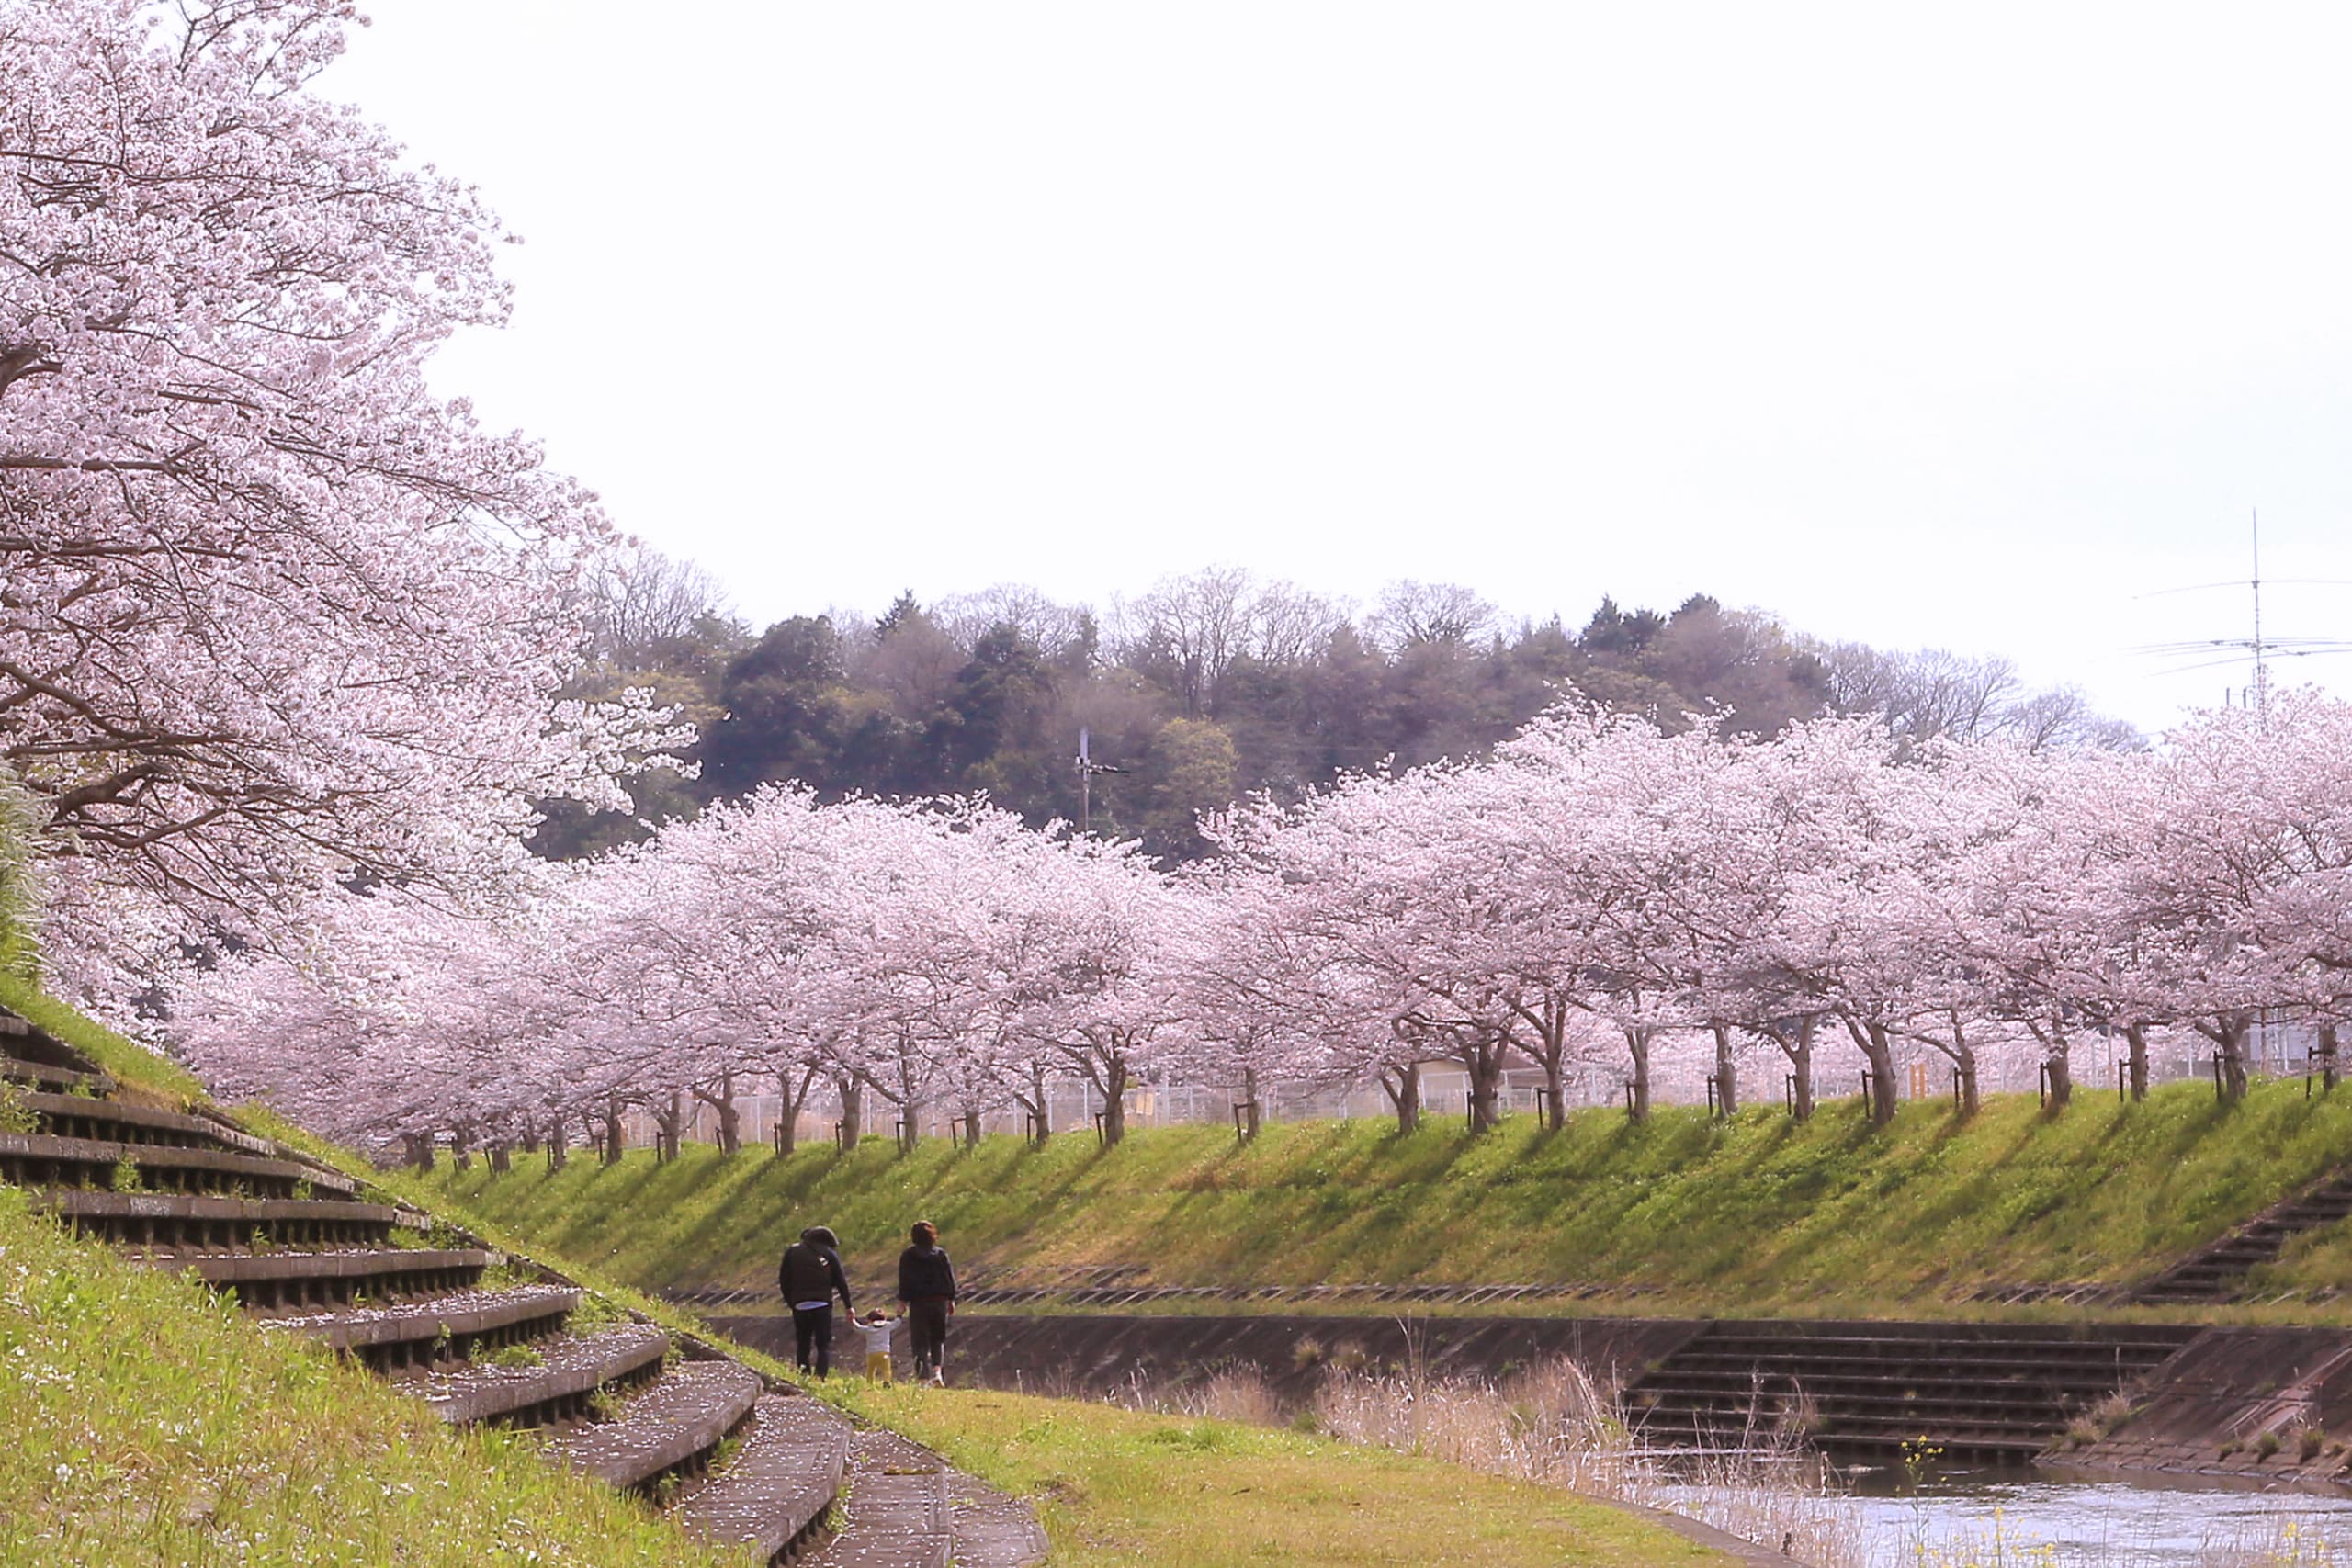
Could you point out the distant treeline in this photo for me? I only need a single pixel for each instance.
(1208, 687)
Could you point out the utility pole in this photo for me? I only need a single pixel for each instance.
(2261, 669)
(1087, 769)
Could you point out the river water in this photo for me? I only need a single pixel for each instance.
(1961, 1520)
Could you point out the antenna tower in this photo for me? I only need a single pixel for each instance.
(2260, 650)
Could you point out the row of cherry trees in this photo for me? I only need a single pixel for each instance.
(1599, 890)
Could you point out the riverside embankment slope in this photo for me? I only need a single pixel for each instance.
(1682, 1216)
(1630, 1237)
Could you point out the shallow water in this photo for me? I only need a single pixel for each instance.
(2027, 1517)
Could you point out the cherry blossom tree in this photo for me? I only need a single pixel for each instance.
(271, 613)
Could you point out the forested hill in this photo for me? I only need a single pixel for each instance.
(1209, 686)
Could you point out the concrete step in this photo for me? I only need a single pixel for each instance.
(122, 1121)
(670, 1429)
(40, 1076)
(1985, 1388)
(1797, 1338)
(1865, 1440)
(437, 1331)
(1681, 1385)
(275, 1281)
(2092, 1365)
(38, 1159)
(181, 1223)
(25, 1040)
(2217, 1271)
(896, 1514)
(774, 1496)
(558, 1389)
(990, 1529)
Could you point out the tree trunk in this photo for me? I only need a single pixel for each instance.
(2135, 1036)
(1879, 1051)
(1727, 1072)
(1114, 1103)
(789, 1104)
(731, 1118)
(2229, 1033)
(2062, 1076)
(1404, 1094)
(530, 1137)
(670, 1120)
(1039, 1105)
(1963, 1061)
(461, 1148)
(1249, 1108)
(559, 1154)
(1797, 1046)
(611, 1154)
(787, 1118)
(972, 1128)
(2327, 1057)
(1637, 1042)
(420, 1149)
(501, 1159)
(852, 1111)
(1482, 1055)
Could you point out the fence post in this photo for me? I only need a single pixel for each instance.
(2217, 1093)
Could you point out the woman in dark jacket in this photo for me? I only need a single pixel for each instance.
(927, 1284)
(809, 1277)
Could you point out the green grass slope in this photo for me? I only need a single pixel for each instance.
(1683, 1214)
(150, 1422)
(1116, 1487)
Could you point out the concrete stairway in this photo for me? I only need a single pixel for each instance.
(1998, 1392)
(2214, 1272)
(482, 1339)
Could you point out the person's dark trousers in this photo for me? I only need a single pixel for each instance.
(812, 1331)
(927, 1326)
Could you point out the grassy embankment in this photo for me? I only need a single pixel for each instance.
(1684, 1214)
(151, 1423)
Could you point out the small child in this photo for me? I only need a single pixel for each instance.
(877, 1327)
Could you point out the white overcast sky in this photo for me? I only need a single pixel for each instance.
(1966, 326)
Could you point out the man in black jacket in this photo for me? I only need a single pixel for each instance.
(810, 1277)
(927, 1284)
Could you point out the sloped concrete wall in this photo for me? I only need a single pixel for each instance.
(2268, 1402)
(1106, 1355)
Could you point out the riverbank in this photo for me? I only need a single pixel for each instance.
(2011, 1211)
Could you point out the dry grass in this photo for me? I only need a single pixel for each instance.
(1555, 1425)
